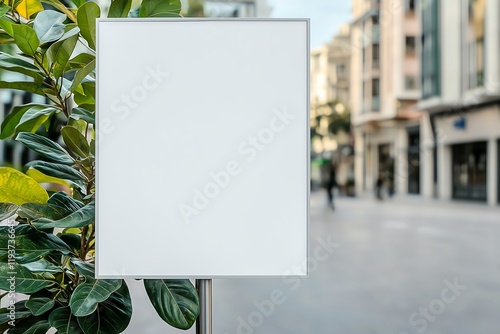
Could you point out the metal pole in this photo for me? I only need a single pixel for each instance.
(204, 322)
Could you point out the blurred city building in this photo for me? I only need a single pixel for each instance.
(384, 90)
(234, 8)
(460, 47)
(330, 120)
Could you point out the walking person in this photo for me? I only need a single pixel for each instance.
(331, 184)
(379, 186)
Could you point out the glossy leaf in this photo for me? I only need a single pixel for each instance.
(160, 8)
(32, 211)
(87, 295)
(83, 114)
(26, 8)
(17, 188)
(112, 316)
(57, 170)
(18, 65)
(86, 16)
(64, 321)
(39, 306)
(75, 141)
(49, 26)
(30, 87)
(61, 7)
(42, 178)
(33, 118)
(3, 9)
(79, 218)
(31, 244)
(175, 301)
(25, 281)
(81, 74)
(66, 202)
(26, 38)
(45, 147)
(7, 210)
(58, 54)
(119, 8)
(21, 312)
(7, 26)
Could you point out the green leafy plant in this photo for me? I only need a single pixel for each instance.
(47, 240)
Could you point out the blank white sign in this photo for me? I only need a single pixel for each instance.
(203, 148)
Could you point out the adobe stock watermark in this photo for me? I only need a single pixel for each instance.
(264, 309)
(11, 261)
(420, 320)
(248, 150)
(132, 99)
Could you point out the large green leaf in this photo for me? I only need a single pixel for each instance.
(81, 74)
(27, 86)
(40, 327)
(25, 281)
(40, 305)
(75, 141)
(3, 9)
(33, 119)
(87, 295)
(119, 8)
(7, 210)
(30, 244)
(57, 170)
(17, 188)
(17, 121)
(65, 201)
(64, 321)
(21, 313)
(8, 26)
(58, 54)
(34, 211)
(160, 8)
(26, 38)
(86, 16)
(16, 64)
(112, 316)
(45, 147)
(84, 94)
(175, 301)
(49, 26)
(79, 218)
(83, 114)
(42, 178)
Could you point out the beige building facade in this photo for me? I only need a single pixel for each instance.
(385, 72)
(461, 99)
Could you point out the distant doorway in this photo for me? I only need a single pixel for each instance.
(386, 166)
(470, 171)
(414, 162)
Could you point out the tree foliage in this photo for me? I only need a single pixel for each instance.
(48, 236)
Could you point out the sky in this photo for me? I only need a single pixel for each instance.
(326, 15)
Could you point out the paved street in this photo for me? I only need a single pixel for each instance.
(397, 267)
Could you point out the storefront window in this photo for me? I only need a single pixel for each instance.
(469, 171)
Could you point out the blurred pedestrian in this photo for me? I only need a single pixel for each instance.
(379, 187)
(331, 184)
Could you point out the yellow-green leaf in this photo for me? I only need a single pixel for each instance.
(18, 188)
(42, 178)
(26, 8)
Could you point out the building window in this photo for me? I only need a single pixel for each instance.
(410, 45)
(430, 53)
(341, 69)
(375, 54)
(475, 43)
(410, 6)
(375, 95)
(410, 82)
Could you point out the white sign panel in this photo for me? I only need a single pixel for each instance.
(203, 148)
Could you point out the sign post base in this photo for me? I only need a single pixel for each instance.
(204, 322)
